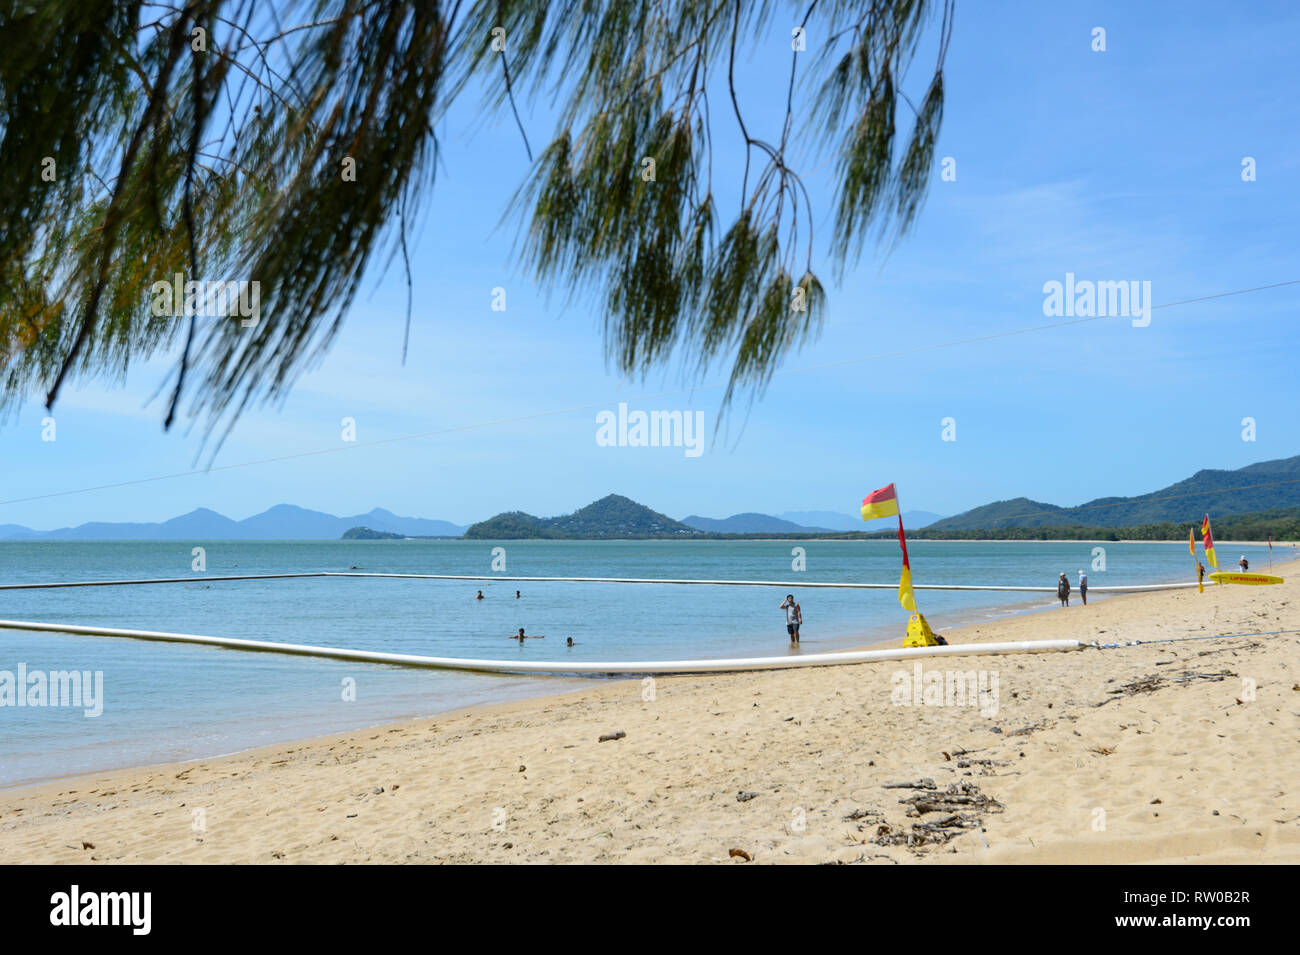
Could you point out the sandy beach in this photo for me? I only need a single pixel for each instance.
(1167, 752)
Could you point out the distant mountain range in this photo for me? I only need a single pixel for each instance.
(611, 517)
(282, 522)
(748, 523)
(1257, 487)
(1264, 487)
(615, 516)
(852, 520)
(804, 522)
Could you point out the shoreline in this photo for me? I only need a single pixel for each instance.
(1185, 771)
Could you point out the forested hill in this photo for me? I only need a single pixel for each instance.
(613, 516)
(1265, 486)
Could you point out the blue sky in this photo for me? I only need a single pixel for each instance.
(1116, 165)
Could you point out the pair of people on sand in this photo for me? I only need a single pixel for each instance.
(1063, 588)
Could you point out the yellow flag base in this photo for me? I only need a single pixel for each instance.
(919, 633)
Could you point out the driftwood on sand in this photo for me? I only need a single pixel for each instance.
(961, 806)
(1156, 681)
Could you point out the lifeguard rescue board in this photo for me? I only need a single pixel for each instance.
(1235, 577)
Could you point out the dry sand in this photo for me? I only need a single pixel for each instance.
(1195, 765)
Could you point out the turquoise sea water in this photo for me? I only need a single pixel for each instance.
(169, 702)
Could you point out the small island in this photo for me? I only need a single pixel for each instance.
(366, 534)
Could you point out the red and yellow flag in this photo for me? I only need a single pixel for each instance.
(1209, 542)
(1191, 541)
(881, 503)
(884, 503)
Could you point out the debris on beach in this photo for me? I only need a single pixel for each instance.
(959, 807)
(740, 854)
(612, 736)
(958, 795)
(865, 857)
(984, 767)
(1157, 681)
(1026, 730)
(871, 815)
(1231, 649)
(745, 796)
(936, 832)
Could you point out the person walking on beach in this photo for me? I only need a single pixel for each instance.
(793, 617)
(1083, 588)
(1063, 589)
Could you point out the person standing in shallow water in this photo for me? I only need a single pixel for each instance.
(793, 617)
(1083, 588)
(1063, 589)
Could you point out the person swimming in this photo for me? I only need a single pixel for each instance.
(479, 595)
(516, 595)
(569, 643)
(521, 637)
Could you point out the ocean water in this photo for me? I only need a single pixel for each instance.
(170, 702)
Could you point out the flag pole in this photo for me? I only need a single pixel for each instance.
(1207, 544)
(1196, 564)
(907, 567)
(883, 502)
(907, 564)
